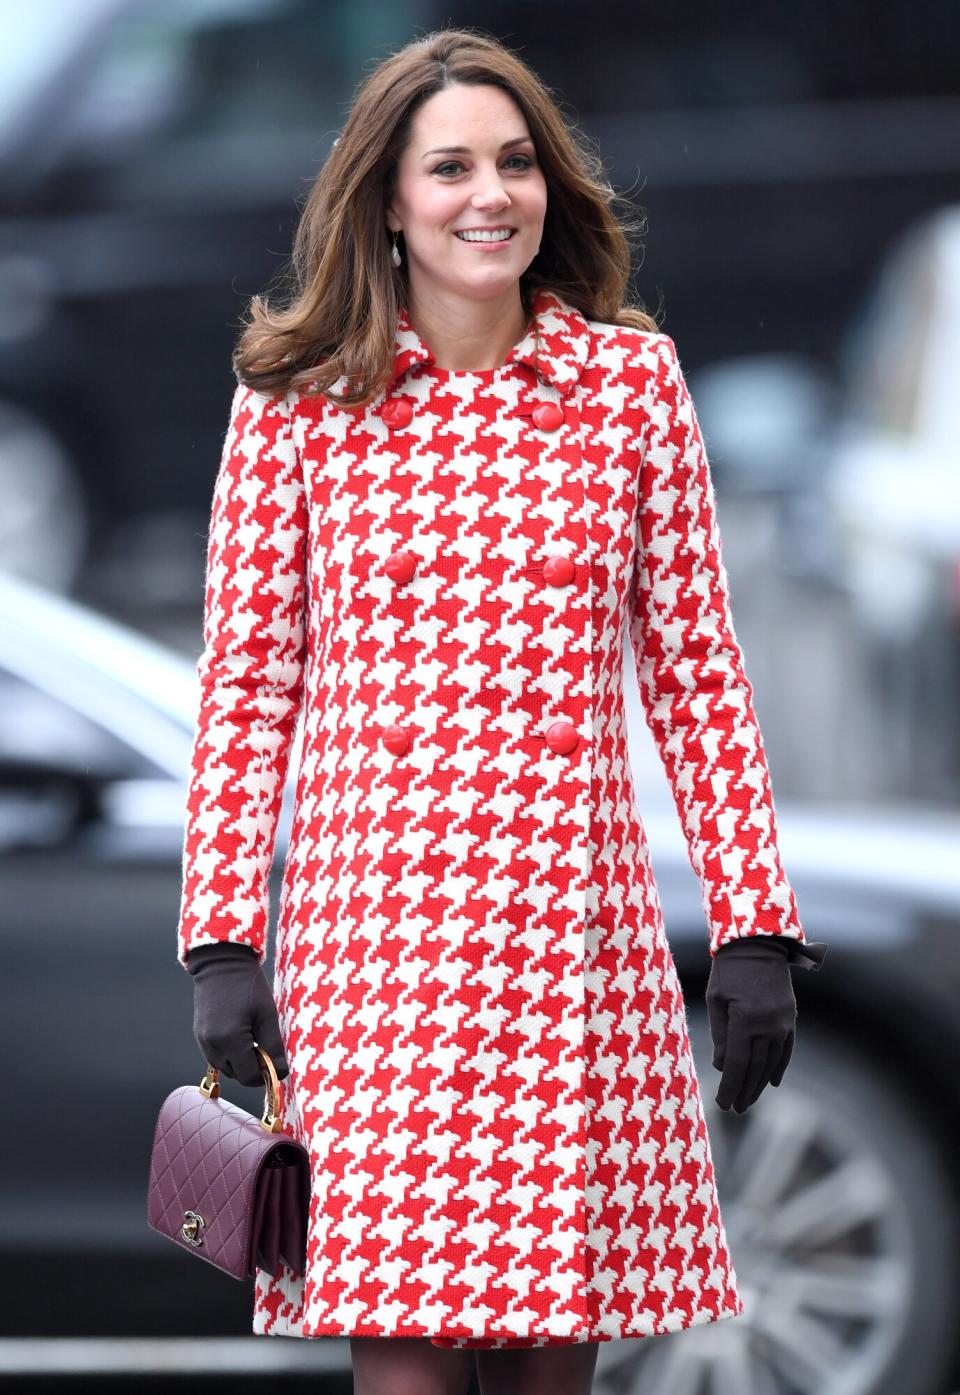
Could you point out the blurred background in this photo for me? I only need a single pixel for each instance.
(799, 171)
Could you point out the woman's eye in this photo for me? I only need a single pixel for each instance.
(526, 163)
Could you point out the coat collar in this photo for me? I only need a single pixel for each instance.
(564, 343)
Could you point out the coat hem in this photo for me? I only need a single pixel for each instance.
(266, 1326)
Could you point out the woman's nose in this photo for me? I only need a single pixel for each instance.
(492, 192)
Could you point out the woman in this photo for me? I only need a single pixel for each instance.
(456, 463)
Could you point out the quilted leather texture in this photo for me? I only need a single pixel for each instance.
(489, 1059)
(248, 1186)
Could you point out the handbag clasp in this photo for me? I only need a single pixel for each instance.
(193, 1223)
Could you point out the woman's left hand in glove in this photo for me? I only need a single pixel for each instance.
(753, 1012)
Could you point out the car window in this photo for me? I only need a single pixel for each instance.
(173, 77)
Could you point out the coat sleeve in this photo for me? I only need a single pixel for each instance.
(696, 697)
(251, 677)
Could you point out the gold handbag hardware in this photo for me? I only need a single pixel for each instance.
(210, 1086)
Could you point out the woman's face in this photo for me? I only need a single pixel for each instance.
(491, 181)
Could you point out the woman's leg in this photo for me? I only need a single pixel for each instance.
(561, 1369)
(408, 1366)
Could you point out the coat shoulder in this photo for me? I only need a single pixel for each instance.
(623, 351)
(628, 343)
(261, 404)
(628, 334)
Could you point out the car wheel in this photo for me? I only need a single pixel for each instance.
(841, 1222)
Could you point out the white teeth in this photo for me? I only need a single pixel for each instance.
(500, 236)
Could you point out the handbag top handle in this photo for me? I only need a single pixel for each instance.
(210, 1086)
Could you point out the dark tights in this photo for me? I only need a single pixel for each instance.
(414, 1366)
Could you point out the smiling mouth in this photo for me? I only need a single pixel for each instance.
(483, 235)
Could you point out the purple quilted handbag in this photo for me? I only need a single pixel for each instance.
(228, 1187)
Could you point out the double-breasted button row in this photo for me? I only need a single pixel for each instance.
(401, 567)
(558, 570)
(546, 416)
(561, 737)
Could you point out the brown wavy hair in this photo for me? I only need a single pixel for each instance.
(342, 293)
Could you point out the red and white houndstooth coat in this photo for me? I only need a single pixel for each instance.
(488, 1049)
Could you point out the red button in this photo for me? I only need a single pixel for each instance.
(396, 738)
(400, 566)
(562, 737)
(559, 570)
(548, 416)
(397, 412)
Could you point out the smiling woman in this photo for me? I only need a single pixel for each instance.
(448, 143)
(492, 199)
(459, 470)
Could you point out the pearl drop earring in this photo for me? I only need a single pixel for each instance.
(395, 253)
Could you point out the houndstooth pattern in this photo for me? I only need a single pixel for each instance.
(487, 1039)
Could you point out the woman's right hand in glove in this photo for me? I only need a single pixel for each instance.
(233, 1007)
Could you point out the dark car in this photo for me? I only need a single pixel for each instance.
(151, 156)
(837, 1188)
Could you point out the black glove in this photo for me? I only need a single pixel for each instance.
(753, 1012)
(233, 1007)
